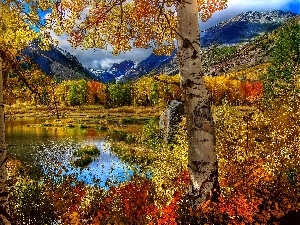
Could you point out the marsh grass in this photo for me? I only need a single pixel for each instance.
(90, 150)
(85, 155)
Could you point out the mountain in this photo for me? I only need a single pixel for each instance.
(116, 71)
(244, 27)
(57, 63)
(223, 46)
(236, 31)
(150, 64)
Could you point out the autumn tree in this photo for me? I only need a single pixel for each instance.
(16, 33)
(96, 92)
(119, 94)
(155, 24)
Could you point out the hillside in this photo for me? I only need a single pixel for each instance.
(58, 63)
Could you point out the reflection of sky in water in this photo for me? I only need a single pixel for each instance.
(52, 148)
(105, 170)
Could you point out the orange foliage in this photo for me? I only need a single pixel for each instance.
(169, 212)
(252, 91)
(233, 90)
(96, 92)
(134, 203)
(239, 206)
(131, 202)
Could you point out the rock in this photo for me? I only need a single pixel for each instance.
(170, 119)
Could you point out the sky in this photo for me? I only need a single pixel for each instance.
(103, 59)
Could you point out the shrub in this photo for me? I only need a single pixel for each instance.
(151, 134)
(30, 204)
(90, 150)
(252, 91)
(85, 155)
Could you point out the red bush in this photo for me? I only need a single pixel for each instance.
(252, 91)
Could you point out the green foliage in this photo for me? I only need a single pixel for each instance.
(283, 75)
(72, 92)
(151, 134)
(77, 92)
(82, 161)
(119, 94)
(154, 94)
(223, 52)
(90, 150)
(30, 204)
(119, 135)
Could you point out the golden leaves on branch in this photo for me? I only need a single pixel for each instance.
(123, 24)
(207, 8)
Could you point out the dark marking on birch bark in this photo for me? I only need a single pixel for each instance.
(188, 84)
(197, 166)
(191, 95)
(203, 140)
(194, 56)
(187, 43)
(212, 178)
(202, 116)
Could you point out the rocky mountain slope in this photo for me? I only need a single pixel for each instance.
(58, 63)
(244, 27)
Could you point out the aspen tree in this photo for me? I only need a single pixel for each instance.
(124, 24)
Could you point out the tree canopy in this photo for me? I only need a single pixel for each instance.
(123, 24)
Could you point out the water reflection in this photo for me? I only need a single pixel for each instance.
(52, 148)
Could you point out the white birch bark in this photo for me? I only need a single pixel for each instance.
(4, 216)
(202, 159)
(3, 158)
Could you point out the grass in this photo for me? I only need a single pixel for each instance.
(85, 155)
(83, 162)
(128, 118)
(87, 150)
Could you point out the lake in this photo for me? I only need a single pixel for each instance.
(51, 149)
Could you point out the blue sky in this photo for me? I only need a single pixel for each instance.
(103, 59)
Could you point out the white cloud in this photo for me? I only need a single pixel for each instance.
(259, 4)
(108, 62)
(236, 7)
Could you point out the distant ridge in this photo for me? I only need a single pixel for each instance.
(57, 63)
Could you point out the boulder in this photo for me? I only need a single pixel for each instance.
(170, 119)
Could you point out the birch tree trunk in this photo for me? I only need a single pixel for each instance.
(3, 158)
(202, 159)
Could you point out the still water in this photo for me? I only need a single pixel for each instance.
(51, 149)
